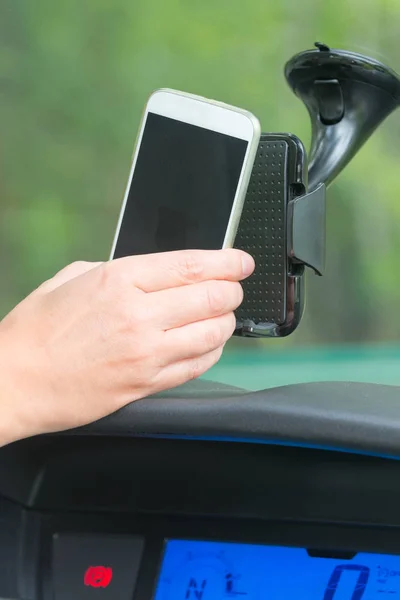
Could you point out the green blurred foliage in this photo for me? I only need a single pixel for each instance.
(74, 77)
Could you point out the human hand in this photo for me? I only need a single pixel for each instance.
(100, 335)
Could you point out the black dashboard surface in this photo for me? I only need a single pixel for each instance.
(201, 426)
(358, 417)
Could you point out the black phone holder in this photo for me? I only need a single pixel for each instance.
(347, 96)
(283, 227)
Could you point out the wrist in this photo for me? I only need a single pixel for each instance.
(13, 424)
(8, 418)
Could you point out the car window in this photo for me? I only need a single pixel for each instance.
(74, 78)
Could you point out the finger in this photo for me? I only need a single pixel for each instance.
(180, 306)
(155, 272)
(196, 339)
(186, 370)
(69, 272)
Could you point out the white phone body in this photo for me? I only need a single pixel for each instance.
(209, 115)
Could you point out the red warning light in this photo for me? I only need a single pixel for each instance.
(98, 577)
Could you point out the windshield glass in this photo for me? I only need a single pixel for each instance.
(74, 78)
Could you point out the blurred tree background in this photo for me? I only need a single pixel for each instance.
(74, 77)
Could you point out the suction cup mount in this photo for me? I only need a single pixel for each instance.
(347, 96)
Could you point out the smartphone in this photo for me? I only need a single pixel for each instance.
(274, 294)
(190, 172)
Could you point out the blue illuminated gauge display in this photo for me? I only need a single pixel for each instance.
(197, 570)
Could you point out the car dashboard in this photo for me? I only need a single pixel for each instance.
(209, 492)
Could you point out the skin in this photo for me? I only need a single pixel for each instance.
(98, 336)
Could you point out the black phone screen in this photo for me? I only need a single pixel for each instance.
(182, 189)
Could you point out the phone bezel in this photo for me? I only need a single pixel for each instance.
(208, 114)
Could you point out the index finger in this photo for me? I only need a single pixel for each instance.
(156, 272)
